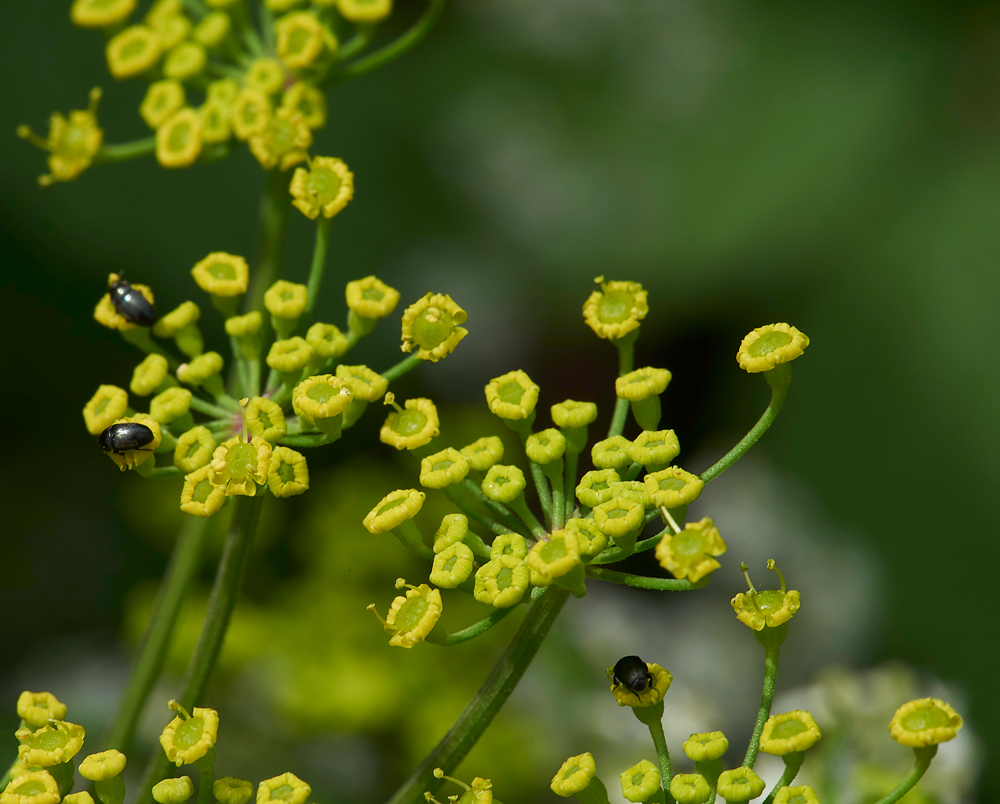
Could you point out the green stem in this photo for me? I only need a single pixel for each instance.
(124, 151)
(317, 268)
(542, 487)
(318, 440)
(554, 472)
(613, 554)
(520, 507)
(570, 482)
(272, 222)
(770, 414)
(770, 675)
(478, 715)
(206, 775)
(454, 494)
(403, 366)
(356, 43)
(228, 579)
(660, 741)
(505, 515)
(793, 762)
(209, 409)
(921, 762)
(641, 582)
(626, 358)
(5, 780)
(474, 630)
(160, 472)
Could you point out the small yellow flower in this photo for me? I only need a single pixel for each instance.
(802, 794)
(618, 517)
(322, 399)
(72, 142)
(927, 721)
(161, 9)
(413, 427)
(200, 370)
(163, 98)
(38, 708)
(615, 310)
(546, 446)
(307, 101)
(133, 51)
(452, 566)
(149, 375)
(34, 787)
(326, 187)
(589, 537)
(766, 347)
(444, 468)
(228, 790)
(633, 490)
(213, 29)
(290, 355)
(673, 487)
(194, 449)
(170, 405)
(283, 141)
(242, 326)
(411, 618)
(177, 321)
(575, 775)
(137, 457)
(286, 299)
(501, 582)
(239, 467)
(185, 61)
(611, 453)
(54, 743)
(651, 696)
(689, 554)
(104, 408)
(557, 556)
(285, 789)
(574, 414)
(172, 30)
(327, 342)
(430, 325)
(222, 274)
(770, 608)
(105, 765)
(371, 297)
(642, 384)
(100, 13)
(216, 122)
(364, 10)
(76, 798)
(251, 113)
(595, 487)
(199, 496)
(706, 746)
(187, 739)
(300, 39)
(483, 453)
(289, 473)
(106, 315)
(509, 544)
(265, 75)
(178, 140)
(394, 509)
(173, 791)
(690, 788)
(512, 395)
(452, 530)
(503, 483)
(640, 781)
(365, 384)
(740, 784)
(789, 732)
(654, 447)
(265, 418)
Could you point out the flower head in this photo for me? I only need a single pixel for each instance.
(200, 370)
(364, 10)
(286, 299)
(251, 113)
(265, 75)
(571, 414)
(673, 487)
(38, 708)
(740, 784)
(173, 791)
(616, 309)
(706, 746)
(33, 787)
(239, 467)
(186, 739)
(194, 449)
(327, 342)
(690, 553)
(133, 51)
(212, 30)
(326, 187)
(411, 617)
(619, 516)
(770, 608)
(690, 788)
(431, 326)
(105, 765)
(322, 399)
(503, 483)
(927, 721)
(163, 98)
(502, 581)
(651, 696)
(186, 60)
(285, 789)
(575, 775)
(282, 142)
(766, 347)
(654, 447)
(452, 566)
(200, 496)
(512, 395)
(129, 459)
(483, 453)
(557, 556)
(291, 355)
(453, 529)
(642, 384)
(444, 468)
(789, 732)
(54, 743)
(509, 544)
(105, 407)
(640, 781)
(611, 453)
(172, 30)
(100, 13)
(228, 790)
(394, 509)
(289, 473)
(177, 320)
(411, 427)
(72, 142)
(170, 405)
(371, 298)
(222, 274)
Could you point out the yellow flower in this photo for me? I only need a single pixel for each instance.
(199, 496)
(251, 113)
(766, 347)
(689, 554)
(512, 395)
(213, 29)
(412, 427)
(642, 384)
(589, 537)
(651, 696)
(740, 784)
(34, 787)
(53, 744)
(483, 453)
(573, 414)
(178, 140)
(133, 51)
(615, 310)
(177, 320)
(239, 467)
(411, 618)
(106, 315)
(265, 75)
(187, 739)
(770, 608)
(654, 447)
(100, 13)
(546, 446)
(575, 775)
(185, 61)
(286, 299)
(327, 341)
(285, 789)
(503, 483)
(222, 274)
(618, 517)
(611, 453)
(927, 721)
(289, 473)
(444, 468)
(72, 142)
(149, 375)
(194, 449)
(802, 794)
(38, 708)
(364, 10)
(595, 487)
(228, 790)
(242, 326)
(431, 326)
(300, 39)
(307, 101)
(706, 746)
(394, 509)
(216, 122)
(102, 766)
(173, 791)
(283, 141)
(290, 355)
(172, 30)
(163, 98)
(170, 405)
(265, 418)
(502, 581)
(76, 798)
(325, 187)
(371, 297)
(789, 732)
(321, 399)
(557, 556)
(201, 370)
(107, 405)
(673, 487)
(137, 457)
(633, 490)
(640, 781)
(365, 384)
(690, 788)
(161, 9)
(452, 530)
(452, 566)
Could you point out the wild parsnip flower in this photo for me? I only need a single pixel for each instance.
(590, 539)
(616, 309)
(571, 414)
(173, 791)
(619, 517)
(200, 496)
(371, 297)
(923, 722)
(633, 490)
(444, 468)
(104, 408)
(611, 453)
(172, 30)
(38, 708)
(394, 509)
(216, 122)
(411, 618)
(282, 143)
(640, 781)
(327, 342)
(503, 483)
(181, 324)
(212, 30)
(54, 743)
(651, 696)
(575, 775)
(557, 556)
(509, 544)
(194, 449)
(412, 427)
(300, 39)
(100, 13)
(178, 139)
(172, 404)
(706, 746)
(307, 101)
(691, 553)
(452, 566)
(239, 467)
(290, 356)
(288, 474)
(654, 448)
(285, 301)
(767, 347)
(203, 370)
(265, 75)
(673, 487)
(545, 446)
(453, 529)
(502, 581)
(789, 732)
(321, 400)
(76, 798)
(364, 11)
(103, 766)
(285, 789)
(431, 326)
(801, 794)
(326, 187)
(133, 51)
(187, 738)
(769, 608)
(690, 788)
(483, 453)
(512, 396)
(105, 313)
(265, 418)
(33, 787)
(149, 375)
(365, 384)
(251, 113)
(228, 790)
(185, 61)
(72, 141)
(642, 384)
(137, 457)
(222, 274)
(595, 487)
(740, 784)
(163, 98)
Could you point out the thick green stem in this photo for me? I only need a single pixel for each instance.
(317, 268)
(472, 631)
(921, 762)
(770, 414)
(793, 762)
(478, 715)
(228, 579)
(770, 675)
(641, 582)
(403, 366)
(626, 358)
(124, 151)
(272, 223)
(184, 563)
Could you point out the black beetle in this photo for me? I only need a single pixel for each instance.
(633, 673)
(121, 437)
(130, 304)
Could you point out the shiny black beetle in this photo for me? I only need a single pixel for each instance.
(130, 304)
(633, 673)
(121, 437)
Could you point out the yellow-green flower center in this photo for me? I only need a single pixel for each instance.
(409, 422)
(441, 465)
(221, 270)
(615, 306)
(201, 491)
(500, 480)
(797, 799)
(927, 718)
(238, 458)
(283, 135)
(788, 728)
(189, 732)
(688, 543)
(637, 779)
(390, 505)
(281, 791)
(570, 772)
(505, 578)
(297, 40)
(770, 600)
(286, 472)
(322, 392)
(411, 613)
(74, 140)
(671, 483)
(553, 551)
(323, 185)
(432, 327)
(449, 565)
(651, 444)
(511, 392)
(134, 48)
(180, 134)
(50, 740)
(372, 294)
(617, 513)
(767, 343)
(32, 788)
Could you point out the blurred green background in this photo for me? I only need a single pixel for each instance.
(834, 164)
